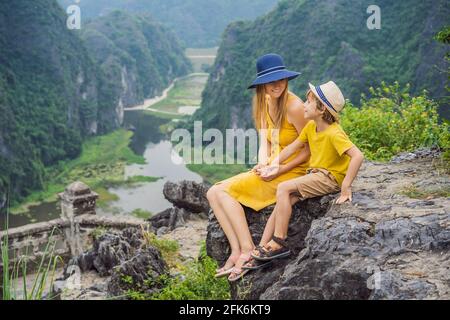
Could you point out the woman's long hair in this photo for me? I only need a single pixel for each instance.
(260, 105)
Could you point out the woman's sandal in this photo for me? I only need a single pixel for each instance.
(268, 254)
(222, 272)
(238, 273)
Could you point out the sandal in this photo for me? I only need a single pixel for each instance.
(268, 254)
(254, 264)
(238, 273)
(221, 272)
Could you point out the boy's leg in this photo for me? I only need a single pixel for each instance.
(279, 219)
(270, 225)
(283, 209)
(314, 184)
(267, 235)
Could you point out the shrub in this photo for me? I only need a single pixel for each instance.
(196, 282)
(392, 121)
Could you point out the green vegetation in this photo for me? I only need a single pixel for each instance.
(51, 95)
(15, 272)
(329, 40)
(198, 23)
(194, 280)
(443, 36)
(101, 165)
(135, 50)
(98, 232)
(392, 121)
(414, 192)
(56, 89)
(197, 283)
(168, 248)
(132, 181)
(140, 213)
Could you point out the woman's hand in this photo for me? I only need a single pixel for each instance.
(256, 169)
(269, 173)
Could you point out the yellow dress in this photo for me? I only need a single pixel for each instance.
(252, 191)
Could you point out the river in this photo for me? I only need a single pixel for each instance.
(156, 149)
(158, 152)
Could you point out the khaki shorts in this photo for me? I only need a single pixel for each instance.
(317, 182)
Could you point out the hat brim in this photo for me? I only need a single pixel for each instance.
(275, 76)
(314, 91)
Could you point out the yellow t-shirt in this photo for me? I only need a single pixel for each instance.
(328, 149)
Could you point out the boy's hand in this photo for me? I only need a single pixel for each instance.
(269, 173)
(346, 194)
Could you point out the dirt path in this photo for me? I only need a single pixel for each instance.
(189, 237)
(152, 101)
(149, 102)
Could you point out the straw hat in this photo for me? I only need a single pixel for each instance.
(331, 97)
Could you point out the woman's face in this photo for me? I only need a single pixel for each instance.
(275, 89)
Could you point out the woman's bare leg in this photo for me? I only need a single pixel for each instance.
(214, 202)
(236, 215)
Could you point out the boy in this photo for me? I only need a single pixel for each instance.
(334, 164)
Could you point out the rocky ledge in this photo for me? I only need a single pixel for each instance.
(386, 244)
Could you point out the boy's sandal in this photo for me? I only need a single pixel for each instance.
(268, 254)
(254, 264)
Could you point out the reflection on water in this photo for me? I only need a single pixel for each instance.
(42, 212)
(157, 151)
(146, 130)
(149, 196)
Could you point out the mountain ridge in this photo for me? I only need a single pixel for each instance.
(324, 41)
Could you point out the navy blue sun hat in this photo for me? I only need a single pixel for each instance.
(270, 68)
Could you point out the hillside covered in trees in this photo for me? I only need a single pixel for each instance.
(329, 40)
(198, 23)
(139, 57)
(60, 86)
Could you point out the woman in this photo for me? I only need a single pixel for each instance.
(278, 116)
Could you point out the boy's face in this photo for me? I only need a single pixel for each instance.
(275, 89)
(311, 111)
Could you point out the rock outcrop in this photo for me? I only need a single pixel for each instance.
(383, 245)
(189, 202)
(126, 259)
(169, 219)
(187, 195)
(142, 272)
